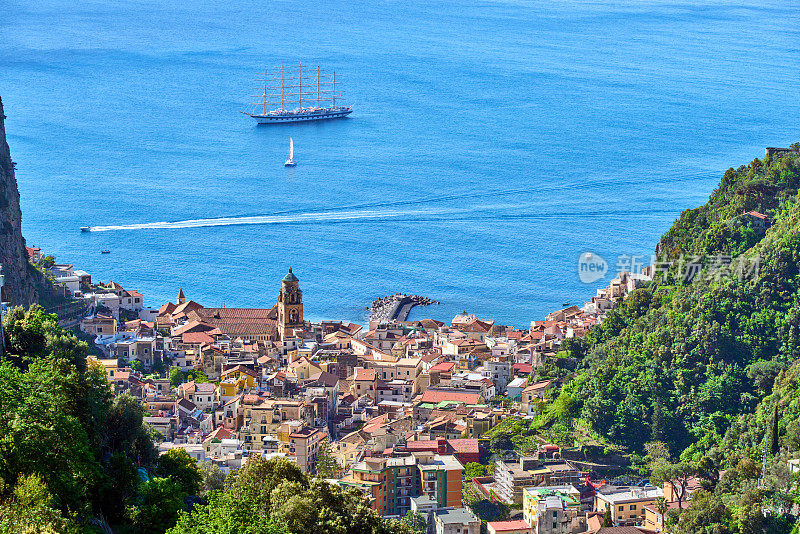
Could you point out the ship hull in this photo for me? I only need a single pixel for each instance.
(302, 117)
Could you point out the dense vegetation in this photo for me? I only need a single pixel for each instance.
(73, 458)
(703, 364)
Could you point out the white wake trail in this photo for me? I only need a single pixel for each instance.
(325, 216)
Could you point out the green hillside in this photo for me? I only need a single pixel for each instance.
(698, 363)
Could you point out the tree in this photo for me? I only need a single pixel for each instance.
(608, 520)
(213, 478)
(199, 376)
(177, 465)
(51, 404)
(157, 507)
(68, 448)
(661, 505)
(158, 365)
(705, 514)
(224, 515)
(708, 472)
(137, 366)
(267, 496)
(677, 475)
(327, 465)
(29, 509)
(474, 470)
(415, 522)
(126, 431)
(175, 376)
(773, 441)
(656, 451)
(501, 442)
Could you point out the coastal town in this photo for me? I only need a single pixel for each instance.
(415, 414)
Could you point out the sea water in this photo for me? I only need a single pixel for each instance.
(491, 144)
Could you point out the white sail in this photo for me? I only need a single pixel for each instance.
(291, 149)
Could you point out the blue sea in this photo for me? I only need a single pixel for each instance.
(492, 142)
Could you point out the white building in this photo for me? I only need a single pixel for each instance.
(456, 521)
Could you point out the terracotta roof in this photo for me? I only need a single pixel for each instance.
(239, 321)
(240, 368)
(522, 368)
(365, 374)
(305, 432)
(476, 326)
(430, 323)
(504, 526)
(443, 367)
(186, 307)
(194, 326)
(219, 433)
(197, 338)
(121, 375)
(538, 385)
(436, 395)
(756, 214)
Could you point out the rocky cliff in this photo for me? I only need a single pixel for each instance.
(20, 277)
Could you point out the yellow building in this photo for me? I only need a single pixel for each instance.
(627, 503)
(262, 417)
(303, 368)
(563, 502)
(234, 381)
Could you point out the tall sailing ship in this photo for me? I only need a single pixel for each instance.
(301, 97)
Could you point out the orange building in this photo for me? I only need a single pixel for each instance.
(392, 482)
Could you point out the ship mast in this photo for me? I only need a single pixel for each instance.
(282, 87)
(317, 86)
(333, 93)
(265, 91)
(300, 92)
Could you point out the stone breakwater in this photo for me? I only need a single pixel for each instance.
(396, 307)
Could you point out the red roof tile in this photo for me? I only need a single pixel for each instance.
(366, 374)
(506, 526)
(434, 396)
(443, 367)
(464, 446)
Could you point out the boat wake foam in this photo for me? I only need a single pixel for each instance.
(310, 217)
(469, 213)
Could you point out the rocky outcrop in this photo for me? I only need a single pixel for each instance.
(20, 277)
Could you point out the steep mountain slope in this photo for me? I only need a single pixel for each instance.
(680, 360)
(20, 277)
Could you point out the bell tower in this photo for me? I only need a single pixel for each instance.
(290, 305)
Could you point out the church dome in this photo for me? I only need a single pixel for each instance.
(290, 277)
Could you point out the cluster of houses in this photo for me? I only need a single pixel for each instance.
(401, 406)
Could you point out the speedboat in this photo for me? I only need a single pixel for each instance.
(86, 228)
(105, 252)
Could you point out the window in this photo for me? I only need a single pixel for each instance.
(633, 507)
(621, 508)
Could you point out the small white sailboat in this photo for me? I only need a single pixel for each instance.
(290, 162)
